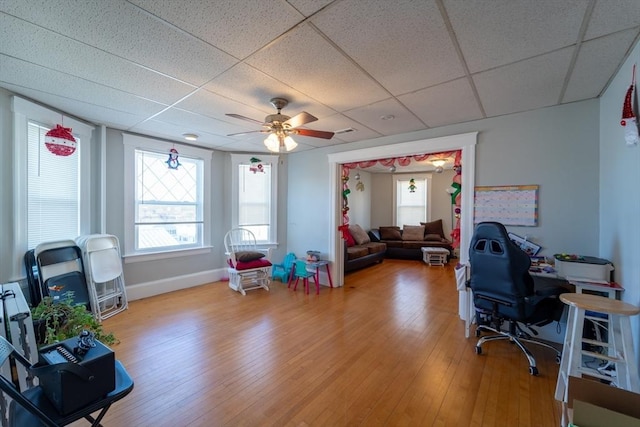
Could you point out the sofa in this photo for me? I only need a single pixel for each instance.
(407, 243)
(360, 251)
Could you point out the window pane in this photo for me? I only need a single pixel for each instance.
(53, 206)
(411, 208)
(254, 210)
(169, 203)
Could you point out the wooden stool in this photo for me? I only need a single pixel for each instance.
(619, 342)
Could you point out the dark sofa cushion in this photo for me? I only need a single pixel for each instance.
(433, 238)
(433, 227)
(393, 243)
(390, 233)
(247, 256)
(413, 232)
(375, 247)
(359, 235)
(356, 252)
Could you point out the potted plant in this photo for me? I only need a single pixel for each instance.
(55, 321)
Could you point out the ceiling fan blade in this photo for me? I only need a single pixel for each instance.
(300, 119)
(249, 131)
(315, 133)
(238, 116)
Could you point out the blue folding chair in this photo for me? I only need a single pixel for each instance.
(282, 271)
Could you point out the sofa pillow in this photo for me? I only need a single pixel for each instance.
(433, 237)
(433, 227)
(359, 235)
(390, 233)
(413, 232)
(246, 256)
(349, 238)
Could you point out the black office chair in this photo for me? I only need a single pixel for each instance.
(32, 408)
(503, 291)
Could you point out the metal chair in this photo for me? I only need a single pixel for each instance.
(32, 408)
(249, 266)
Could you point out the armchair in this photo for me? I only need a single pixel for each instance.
(503, 291)
(249, 266)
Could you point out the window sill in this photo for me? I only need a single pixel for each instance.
(152, 256)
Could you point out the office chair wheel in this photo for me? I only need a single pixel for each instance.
(478, 350)
(558, 359)
(533, 370)
(478, 333)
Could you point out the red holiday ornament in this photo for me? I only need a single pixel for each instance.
(60, 141)
(629, 121)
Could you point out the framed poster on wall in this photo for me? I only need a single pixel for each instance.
(509, 204)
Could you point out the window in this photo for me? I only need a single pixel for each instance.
(411, 208)
(255, 196)
(51, 192)
(169, 207)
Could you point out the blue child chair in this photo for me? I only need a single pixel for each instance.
(301, 272)
(282, 271)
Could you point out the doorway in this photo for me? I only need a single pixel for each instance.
(464, 142)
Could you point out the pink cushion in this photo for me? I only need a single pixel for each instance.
(247, 265)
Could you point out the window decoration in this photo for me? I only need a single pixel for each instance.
(412, 185)
(629, 120)
(256, 165)
(172, 161)
(359, 184)
(60, 141)
(345, 194)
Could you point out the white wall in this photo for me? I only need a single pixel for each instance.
(620, 191)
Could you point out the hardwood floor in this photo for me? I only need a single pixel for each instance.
(386, 349)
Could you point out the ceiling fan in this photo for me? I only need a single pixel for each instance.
(280, 127)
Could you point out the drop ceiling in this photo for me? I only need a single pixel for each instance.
(376, 67)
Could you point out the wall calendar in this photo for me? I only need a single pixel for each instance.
(510, 205)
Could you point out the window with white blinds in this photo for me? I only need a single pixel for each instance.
(53, 190)
(254, 198)
(411, 208)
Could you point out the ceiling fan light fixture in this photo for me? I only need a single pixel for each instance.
(272, 143)
(190, 136)
(289, 143)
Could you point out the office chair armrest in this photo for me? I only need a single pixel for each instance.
(549, 291)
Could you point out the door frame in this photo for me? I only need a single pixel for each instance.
(465, 142)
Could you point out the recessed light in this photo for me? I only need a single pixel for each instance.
(190, 136)
(388, 117)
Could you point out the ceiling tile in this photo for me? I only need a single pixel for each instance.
(309, 7)
(125, 30)
(387, 117)
(216, 106)
(196, 123)
(596, 63)
(51, 50)
(254, 88)
(339, 122)
(237, 28)
(448, 103)
(174, 132)
(612, 15)
(498, 32)
(303, 59)
(424, 57)
(21, 73)
(526, 85)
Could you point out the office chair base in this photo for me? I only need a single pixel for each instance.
(514, 338)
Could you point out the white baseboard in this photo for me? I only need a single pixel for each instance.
(157, 287)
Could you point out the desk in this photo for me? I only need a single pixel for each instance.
(316, 267)
(611, 289)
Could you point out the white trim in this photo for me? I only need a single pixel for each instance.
(175, 283)
(153, 256)
(133, 142)
(465, 142)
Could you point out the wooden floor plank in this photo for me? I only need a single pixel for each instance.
(387, 349)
